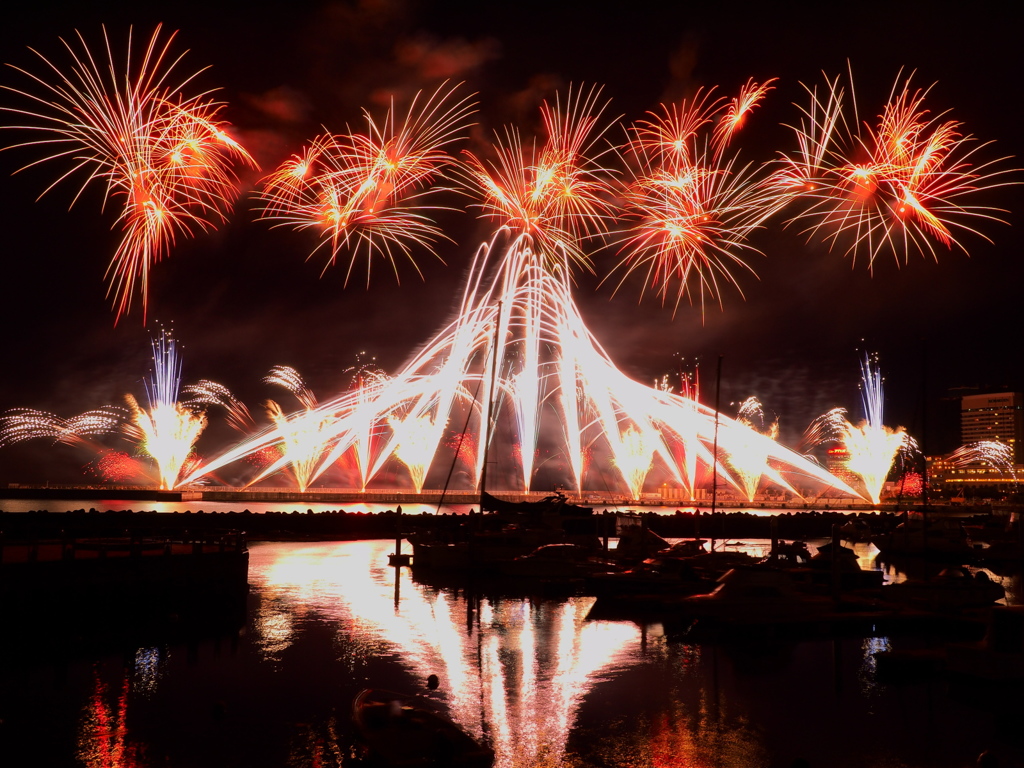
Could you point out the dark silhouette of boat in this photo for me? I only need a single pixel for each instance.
(504, 531)
(402, 731)
(753, 594)
(558, 562)
(926, 535)
(953, 589)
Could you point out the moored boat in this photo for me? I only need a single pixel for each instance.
(753, 595)
(954, 588)
(556, 561)
(922, 535)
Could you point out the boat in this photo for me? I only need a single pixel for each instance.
(403, 731)
(789, 553)
(856, 531)
(926, 535)
(488, 540)
(952, 589)
(636, 542)
(646, 589)
(556, 562)
(756, 594)
(837, 566)
(555, 504)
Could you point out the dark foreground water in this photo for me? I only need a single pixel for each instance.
(545, 686)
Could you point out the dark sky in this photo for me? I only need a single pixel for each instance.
(244, 298)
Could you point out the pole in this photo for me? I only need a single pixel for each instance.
(486, 431)
(714, 450)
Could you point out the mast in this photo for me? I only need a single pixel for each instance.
(714, 450)
(490, 405)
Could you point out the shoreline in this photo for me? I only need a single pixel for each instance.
(348, 496)
(344, 525)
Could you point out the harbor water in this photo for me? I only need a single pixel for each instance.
(528, 673)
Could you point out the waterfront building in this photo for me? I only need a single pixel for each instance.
(998, 416)
(949, 474)
(837, 461)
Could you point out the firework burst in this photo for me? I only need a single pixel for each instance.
(162, 156)
(28, 424)
(115, 467)
(367, 193)
(205, 393)
(994, 453)
(166, 430)
(872, 446)
(751, 445)
(906, 184)
(691, 206)
(555, 194)
(303, 437)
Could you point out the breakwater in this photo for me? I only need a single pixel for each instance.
(346, 525)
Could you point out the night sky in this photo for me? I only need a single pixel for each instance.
(244, 298)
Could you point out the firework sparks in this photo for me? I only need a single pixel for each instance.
(995, 454)
(904, 185)
(304, 437)
(555, 194)
(366, 193)
(28, 424)
(415, 444)
(568, 387)
(164, 156)
(691, 207)
(166, 430)
(634, 460)
(751, 445)
(115, 467)
(550, 377)
(206, 393)
(872, 446)
(556, 393)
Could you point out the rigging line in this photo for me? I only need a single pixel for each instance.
(458, 448)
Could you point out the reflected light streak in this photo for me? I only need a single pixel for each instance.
(103, 740)
(516, 677)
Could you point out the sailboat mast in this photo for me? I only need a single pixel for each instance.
(714, 450)
(490, 405)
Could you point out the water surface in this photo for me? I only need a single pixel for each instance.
(530, 674)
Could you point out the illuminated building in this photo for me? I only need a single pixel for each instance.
(837, 461)
(992, 436)
(998, 417)
(954, 476)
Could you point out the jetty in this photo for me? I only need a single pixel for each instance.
(90, 588)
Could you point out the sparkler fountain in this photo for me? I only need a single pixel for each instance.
(167, 430)
(872, 446)
(750, 448)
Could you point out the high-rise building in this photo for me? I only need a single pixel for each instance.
(998, 416)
